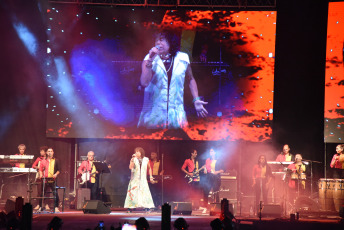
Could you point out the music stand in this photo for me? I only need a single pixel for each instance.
(101, 167)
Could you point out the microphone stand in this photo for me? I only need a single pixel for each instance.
(284, 190)
(43, 187)
(311, 162)
(162, 179)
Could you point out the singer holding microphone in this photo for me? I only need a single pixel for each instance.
(138, 193)
(337, 163)
(164, 70)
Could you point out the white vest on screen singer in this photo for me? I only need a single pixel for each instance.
(163, 108)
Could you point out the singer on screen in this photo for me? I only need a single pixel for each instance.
(164, 70)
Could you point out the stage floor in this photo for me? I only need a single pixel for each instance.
(196, 221)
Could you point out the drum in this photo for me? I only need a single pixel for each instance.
(326, 187)
(338, 194)
(303, 176)
(294, 176)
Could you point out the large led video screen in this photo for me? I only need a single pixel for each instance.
(112, 76)
(334, 82)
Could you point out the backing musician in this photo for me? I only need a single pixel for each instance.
(21, 149)
(261, 175)
(155, 186)
(191, 169)
(337, 163)
(285, 155)
(49, 170)
(297, 180)
(88, 172)
(36, 165)
(213, 171)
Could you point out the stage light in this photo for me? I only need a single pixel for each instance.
(26, 37)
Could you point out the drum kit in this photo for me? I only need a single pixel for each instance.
(292, 199)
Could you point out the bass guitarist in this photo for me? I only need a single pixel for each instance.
(88, 174)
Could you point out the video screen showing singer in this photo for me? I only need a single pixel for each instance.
(164, 70)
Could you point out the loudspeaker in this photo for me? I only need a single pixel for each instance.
(10, 206)
(271, 210)
(95, 207)
(82, 195)
(184, 208)
(215, 208)
(306, 204)
(228, 189)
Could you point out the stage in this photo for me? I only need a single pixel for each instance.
(197, 221)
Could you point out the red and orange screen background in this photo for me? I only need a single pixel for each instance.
(334, 85)
(95, 57)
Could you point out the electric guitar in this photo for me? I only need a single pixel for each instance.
(82, 178)
(195, 174)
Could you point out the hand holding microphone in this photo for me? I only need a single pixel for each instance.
(153, 52)
(132, 158)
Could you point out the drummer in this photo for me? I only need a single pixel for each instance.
(337, 163)
(298, 174)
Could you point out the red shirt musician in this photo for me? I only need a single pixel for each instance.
(87, 172)
(49, 169)
(192, 172)
(261, 175)
(337, 163)
(285, 155)
(298, 173)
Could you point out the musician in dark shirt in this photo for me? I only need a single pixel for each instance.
(157, 172)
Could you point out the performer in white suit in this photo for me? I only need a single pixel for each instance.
(138, 194)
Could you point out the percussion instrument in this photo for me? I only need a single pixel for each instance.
(296, 176)
(326, 187)
(338, 194)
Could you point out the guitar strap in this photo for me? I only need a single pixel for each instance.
(93, 177)
(196, 169)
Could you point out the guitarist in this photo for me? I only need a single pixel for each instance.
(191, 169)
(88, 167)
(154, 185)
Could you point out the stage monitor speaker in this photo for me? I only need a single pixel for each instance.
(95, 207)
(184, 208)
(82, 195)
(10, 206)
(306, 204)
(271, 210)
(215, 208)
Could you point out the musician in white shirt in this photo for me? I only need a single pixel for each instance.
(88, 172)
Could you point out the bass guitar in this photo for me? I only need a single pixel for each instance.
(195, 174)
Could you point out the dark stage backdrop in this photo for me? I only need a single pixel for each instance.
(299, 91)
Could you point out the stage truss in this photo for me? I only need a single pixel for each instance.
(177, 3)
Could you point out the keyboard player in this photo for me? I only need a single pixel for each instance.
(21, 149)
(285, 155)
